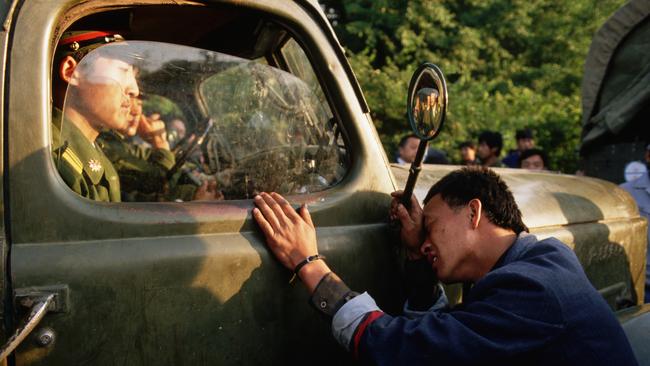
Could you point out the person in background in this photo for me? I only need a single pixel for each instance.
(533, 159)
(490, 144)
(640, 191)
(435, 156)
(525, 142)
(468, 154)
(176, 132)
(407, 148)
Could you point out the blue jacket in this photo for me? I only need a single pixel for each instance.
(535, 307)
(512, 159)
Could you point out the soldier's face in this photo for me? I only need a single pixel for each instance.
(104, 90)
(134, 117)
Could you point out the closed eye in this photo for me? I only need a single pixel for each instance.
(429, 222)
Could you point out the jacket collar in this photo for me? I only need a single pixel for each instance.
(92, 158)
(523, 240)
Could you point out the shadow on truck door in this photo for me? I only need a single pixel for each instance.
(183, 283)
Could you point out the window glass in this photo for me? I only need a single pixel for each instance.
(149, 121)
(299, 65)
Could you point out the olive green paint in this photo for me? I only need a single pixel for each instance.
(192, 283)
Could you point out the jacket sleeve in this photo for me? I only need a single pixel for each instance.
(514, 315)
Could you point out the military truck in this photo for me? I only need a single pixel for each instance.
(265, 89)
(615, 94)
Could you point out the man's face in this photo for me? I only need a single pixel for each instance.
(178, 126)
(484, 150)
(134, 118)
(408, 151)
(468, 154)
(446, 241)
(525, 144)
(103, 90)
(534, 162)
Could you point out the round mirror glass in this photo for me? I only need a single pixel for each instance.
(427, 101)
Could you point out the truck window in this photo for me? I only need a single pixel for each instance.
(152, 121)
(299, 65)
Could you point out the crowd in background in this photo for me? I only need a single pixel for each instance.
(486, 151)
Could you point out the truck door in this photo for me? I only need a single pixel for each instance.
(158, 278)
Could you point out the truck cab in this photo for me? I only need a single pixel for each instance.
(265, 89)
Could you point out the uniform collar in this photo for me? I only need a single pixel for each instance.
(93, 160)
(117, 134)
(56, 128)
(109, 135)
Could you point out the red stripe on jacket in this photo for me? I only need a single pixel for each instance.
(358, 333)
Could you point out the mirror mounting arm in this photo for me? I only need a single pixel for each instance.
(426, 110)
(414, 172)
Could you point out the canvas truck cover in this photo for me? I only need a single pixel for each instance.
(616, 92)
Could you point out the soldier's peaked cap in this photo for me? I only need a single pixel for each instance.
(79, 43)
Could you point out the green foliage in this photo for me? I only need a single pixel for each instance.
(167, 109)
(509, 64)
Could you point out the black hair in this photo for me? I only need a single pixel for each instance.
(532, 152)
(525, 133)
(404, 139)
(469, 144)
(493, 139)
(498, 204)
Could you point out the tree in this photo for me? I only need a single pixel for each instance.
(509, 64)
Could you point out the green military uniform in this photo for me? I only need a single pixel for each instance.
(142, 170)
(81, 164)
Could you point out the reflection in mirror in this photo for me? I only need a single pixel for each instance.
(426, 111)
(164, 122)
(427, 101)
(426, 108)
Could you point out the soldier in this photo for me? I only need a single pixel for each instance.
(142, 170)
(99, 95)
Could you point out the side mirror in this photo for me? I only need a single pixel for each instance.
(427, 101)
(427, 109)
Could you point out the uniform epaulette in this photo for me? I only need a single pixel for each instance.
(72, 159)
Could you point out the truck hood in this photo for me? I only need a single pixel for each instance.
(545, 199)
